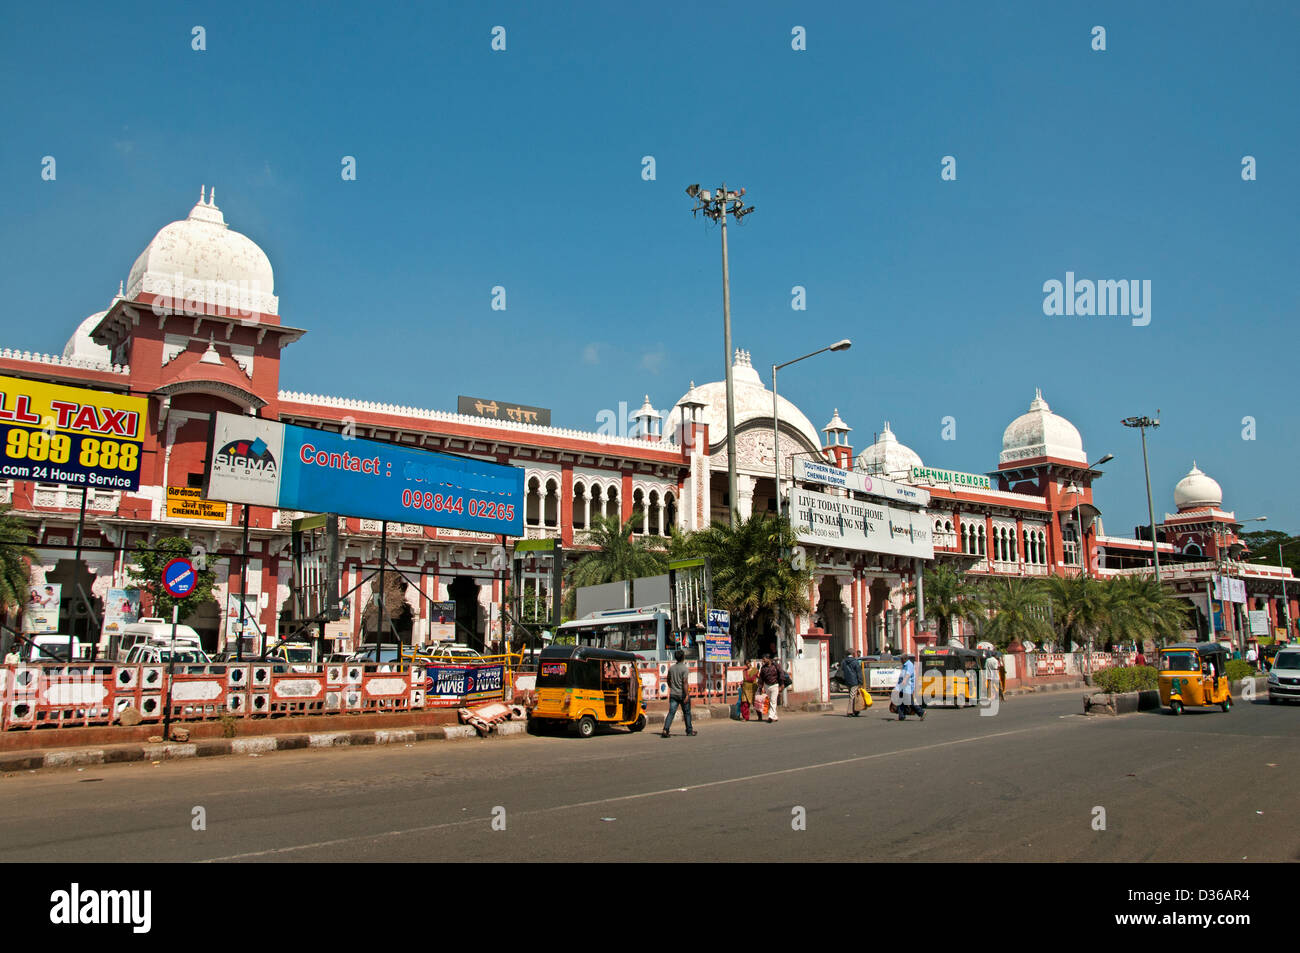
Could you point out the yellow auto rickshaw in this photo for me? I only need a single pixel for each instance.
(950, 676)
(582, 687)
(1194, 673)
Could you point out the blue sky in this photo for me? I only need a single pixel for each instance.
(523, 168)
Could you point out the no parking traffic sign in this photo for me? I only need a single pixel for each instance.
(179, 578)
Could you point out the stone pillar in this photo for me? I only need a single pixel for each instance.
(745, 492)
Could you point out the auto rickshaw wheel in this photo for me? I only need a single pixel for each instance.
(586, 726)
(1227, 704)
(1176, 707)
(637, 725)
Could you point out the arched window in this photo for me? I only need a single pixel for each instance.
(670, 513)
(983, 536)
(533, 503)
(551, 504)
(579, 506)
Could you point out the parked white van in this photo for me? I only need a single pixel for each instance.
(49, 647)
(154, 631)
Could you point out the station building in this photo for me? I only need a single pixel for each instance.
(196, 328)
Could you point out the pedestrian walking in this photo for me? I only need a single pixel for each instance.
(748, 688)
(678, 693)
(1140, 659)
(770, 678)
(993, 676)
(1253, 658)
(906, 690)
(851, 676)
(13, 657)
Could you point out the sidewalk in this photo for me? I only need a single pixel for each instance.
(289, 737)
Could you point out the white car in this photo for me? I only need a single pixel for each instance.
(1284, 676)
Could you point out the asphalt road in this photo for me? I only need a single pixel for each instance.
(1023, 785)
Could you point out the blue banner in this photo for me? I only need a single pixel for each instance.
(297, 468)
(462, 681)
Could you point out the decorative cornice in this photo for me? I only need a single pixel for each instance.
(54, 360)
(396, 410)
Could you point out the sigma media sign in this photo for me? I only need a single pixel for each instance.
(266, 463)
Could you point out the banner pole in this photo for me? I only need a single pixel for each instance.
(243, 591)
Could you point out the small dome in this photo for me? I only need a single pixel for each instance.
(836, 424)
(201, 259)
(1041, 433)
(1196, 491)
(887, 457)
(753, 401)
(81, 348)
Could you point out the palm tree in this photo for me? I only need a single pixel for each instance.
(15, 559)
(948, 595)
(754, 578)
(1139, 608)
(1080, 606)
(1017, 607)
(618, 557)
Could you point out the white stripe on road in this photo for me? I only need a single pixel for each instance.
(614, 800)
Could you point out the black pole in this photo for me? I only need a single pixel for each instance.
(243, 591)
(171, 667)
(76, 573)
(505, 646)
(379, 616)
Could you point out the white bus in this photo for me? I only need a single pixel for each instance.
(646, 631)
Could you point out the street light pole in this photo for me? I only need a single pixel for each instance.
(843, 345)
(1142, 423)
(718, 206)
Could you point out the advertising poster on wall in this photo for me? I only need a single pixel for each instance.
(442, 622)
(121, 608)
(299, 468)
(41, 613)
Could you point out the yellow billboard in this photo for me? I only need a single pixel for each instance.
(187, 503)
(53, 433)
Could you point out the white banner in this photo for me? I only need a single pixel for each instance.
(1258, 621)
(811, 471)
(875, 527)
(247, 460)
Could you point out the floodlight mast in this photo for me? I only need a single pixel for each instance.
(1142, 423)
(717, 206)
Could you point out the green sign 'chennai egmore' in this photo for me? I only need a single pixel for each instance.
(954, 478)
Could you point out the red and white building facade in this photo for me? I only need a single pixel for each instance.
(196, 328)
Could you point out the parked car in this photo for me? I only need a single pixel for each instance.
(1284, 676)
(366, 654)
(153, 653)
(299, 656)
(450, 652)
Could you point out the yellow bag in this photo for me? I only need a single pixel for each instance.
(861, 699)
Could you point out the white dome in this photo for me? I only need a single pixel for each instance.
(1041, 433)
(1197, 491)
(81, 348)
(887, 457)
(201, 259)
(753, 402)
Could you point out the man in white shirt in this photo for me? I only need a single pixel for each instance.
(992, 676)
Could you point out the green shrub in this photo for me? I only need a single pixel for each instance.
(1239, 668)
(1131, 678)
(229, 726)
